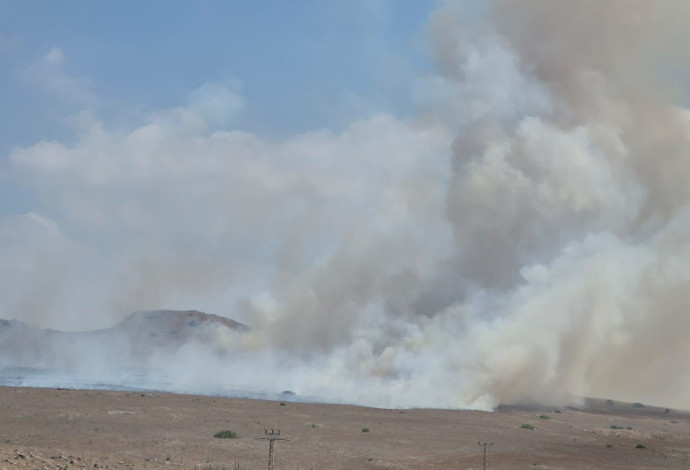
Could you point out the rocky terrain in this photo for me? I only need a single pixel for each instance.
(139, 336)
(56, 429)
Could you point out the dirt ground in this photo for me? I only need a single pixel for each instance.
(73, 429)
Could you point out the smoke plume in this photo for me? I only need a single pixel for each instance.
(525, 238)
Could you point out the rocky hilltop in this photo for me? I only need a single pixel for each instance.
(138, 336)
(170, 329)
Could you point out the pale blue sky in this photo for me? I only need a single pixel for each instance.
(104, 102)
(302, 64)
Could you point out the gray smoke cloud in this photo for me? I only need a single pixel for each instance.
(525, 238)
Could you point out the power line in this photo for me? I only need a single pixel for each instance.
(272, 436)
(485, 444)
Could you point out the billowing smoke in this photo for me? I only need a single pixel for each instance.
(526, 237)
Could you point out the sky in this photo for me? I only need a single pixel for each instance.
(302, 66)
(446, 204)
(281, 69)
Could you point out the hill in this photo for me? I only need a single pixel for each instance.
(130, 344)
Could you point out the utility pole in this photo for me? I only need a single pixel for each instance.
(271, 436)
(485, 444)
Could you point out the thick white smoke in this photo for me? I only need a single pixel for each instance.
(526, 238)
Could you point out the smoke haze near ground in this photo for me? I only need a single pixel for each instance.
(526, 237)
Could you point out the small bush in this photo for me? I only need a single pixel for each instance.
(544, 417)
(226, 434)
(613, 426)
(640, 446)
(557, 411)
(629, 428)
(365, 429)
(527, 426)
(609, 402)
(638, 405)
(609, 446)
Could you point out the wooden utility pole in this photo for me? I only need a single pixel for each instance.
(485, 444)
(272, 436)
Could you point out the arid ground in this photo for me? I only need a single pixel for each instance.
(73, 429)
